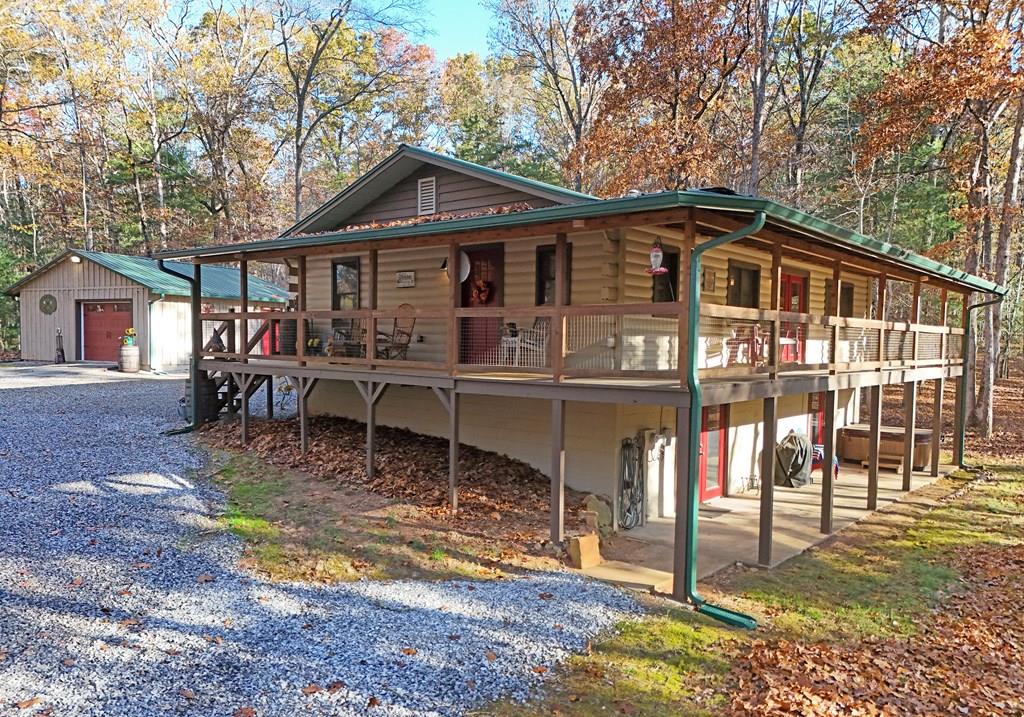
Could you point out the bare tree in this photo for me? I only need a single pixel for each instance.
(542, 33)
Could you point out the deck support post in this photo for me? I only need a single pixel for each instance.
(557, 471)
(940, 387)
(679, 543)
(909, 421)
(244, 381)
(243, 307)
(828, 458)
(305, 387)
(874, 444)
(371, 391)
(450, 400)
(768, 440)
(269, 390)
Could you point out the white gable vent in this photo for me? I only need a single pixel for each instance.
(426, 196)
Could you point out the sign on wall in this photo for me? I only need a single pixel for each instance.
(405, 279)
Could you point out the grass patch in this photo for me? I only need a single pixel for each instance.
(879, 578)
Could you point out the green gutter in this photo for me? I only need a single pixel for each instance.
(730, 617)
(961, 389)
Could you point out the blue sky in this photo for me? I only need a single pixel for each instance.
(456, 26)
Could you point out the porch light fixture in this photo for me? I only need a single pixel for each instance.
(657, 256)
(75, 259)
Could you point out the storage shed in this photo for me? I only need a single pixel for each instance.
(92, 297)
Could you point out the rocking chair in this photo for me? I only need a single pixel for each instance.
(395, 346)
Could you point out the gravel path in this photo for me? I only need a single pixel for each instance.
(118, 596)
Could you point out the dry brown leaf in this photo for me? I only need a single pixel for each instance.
(311, 689)
(335, 686)
(373, 702)
(187, 693)
(540, 669)
(491, 655)
(68, 662)
(30, 702)
(410, 651)
(244, 712)
(205, 578)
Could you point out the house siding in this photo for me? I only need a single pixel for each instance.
(456, 192)
(70, 284)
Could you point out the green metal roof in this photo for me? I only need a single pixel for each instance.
(219, 282)
(786, 217)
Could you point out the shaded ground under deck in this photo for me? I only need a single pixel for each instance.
(728, 526)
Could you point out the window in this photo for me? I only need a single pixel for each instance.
(744, 285)
(664, 287)
(845, 298)
(545, 282)
(345, 287)
(426, 196)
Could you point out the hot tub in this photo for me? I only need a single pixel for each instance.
(854, 441)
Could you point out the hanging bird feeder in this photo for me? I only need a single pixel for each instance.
(657, 255)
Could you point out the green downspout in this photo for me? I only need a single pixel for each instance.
(195, 295)
(961, 392)
(730, 617)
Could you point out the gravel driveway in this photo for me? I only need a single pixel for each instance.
(119, 596)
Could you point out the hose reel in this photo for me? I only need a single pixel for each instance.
(632, 482)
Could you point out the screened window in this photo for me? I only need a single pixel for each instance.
(345, 288)
(664, 287)
(744, 285)
(845, 299)
(546, 274)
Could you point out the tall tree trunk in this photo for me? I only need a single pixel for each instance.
(982, 415)
(157, 142)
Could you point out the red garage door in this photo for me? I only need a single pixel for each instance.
(103, 325)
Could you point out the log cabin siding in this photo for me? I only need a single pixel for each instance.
(456, 192)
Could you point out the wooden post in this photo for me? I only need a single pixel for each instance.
(303, 415)
(371, 321)
(940, 387)
(453, 451)
(682, 507)
(557, 471)
(300, 321)
(454, 299)
(960, 410)
(874, 444)
(915, 318)
(880, 309)
(836, 300)
(371, 391)
(558, 320)
(768, 441)
(268, 387)
(909, 421)
(683, 300)
(776, 302)
(827, 474)
(244, 381)
(243, 306)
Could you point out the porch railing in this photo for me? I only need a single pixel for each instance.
(579, 341)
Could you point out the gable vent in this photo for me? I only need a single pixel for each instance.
(426, 196)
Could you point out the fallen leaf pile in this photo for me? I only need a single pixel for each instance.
(493, 489)
(966, 659)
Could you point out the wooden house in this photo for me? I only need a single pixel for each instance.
(455, 300)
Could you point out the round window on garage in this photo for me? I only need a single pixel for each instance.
(48, 303)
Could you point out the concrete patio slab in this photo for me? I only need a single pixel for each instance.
(729, 528)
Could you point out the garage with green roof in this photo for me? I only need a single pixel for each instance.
(90, 298)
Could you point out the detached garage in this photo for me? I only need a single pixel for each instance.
(91, 298)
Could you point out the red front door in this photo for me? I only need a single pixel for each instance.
(793, 336)
(103, 325)
(714, 422)
(482, 288)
